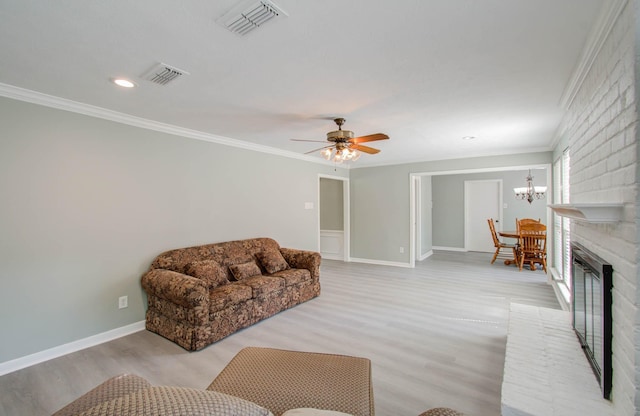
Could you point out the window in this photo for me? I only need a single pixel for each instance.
(562, 225)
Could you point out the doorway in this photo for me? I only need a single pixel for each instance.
(333, 217)
(452, 245)
(482, 200)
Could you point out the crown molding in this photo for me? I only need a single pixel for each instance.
(609, 14)
(34, 97)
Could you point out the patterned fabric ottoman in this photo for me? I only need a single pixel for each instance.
(441, 411)
(281, 380)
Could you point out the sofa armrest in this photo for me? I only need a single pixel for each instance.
(177, 288)
(302, 259)
(114, 387)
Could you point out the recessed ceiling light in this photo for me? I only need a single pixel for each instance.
(468, 137)
(122, 82)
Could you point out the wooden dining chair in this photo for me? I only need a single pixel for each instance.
(500, 246)
(532, 245)
(525, 221)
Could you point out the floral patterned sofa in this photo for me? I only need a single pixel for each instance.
(199, 295)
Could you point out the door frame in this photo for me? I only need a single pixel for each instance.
(413, 213)
(346, 204)
(467, 208)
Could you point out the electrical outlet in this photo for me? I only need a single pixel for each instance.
(123, 302)
(401, 249)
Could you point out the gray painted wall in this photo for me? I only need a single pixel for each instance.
(448, 203)
(380, 201)
(331, 204)
(87, 203)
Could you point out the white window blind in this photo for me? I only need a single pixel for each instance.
(557, 219)
(566, 222)
(562, 225)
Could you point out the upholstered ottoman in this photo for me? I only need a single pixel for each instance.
(281, 380)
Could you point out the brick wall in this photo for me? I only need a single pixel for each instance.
(601, 127)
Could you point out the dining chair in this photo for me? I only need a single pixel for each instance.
(532, 245)
(500, 246)
(525, 221)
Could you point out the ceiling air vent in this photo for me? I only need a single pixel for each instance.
(249, 15)
(163, 74)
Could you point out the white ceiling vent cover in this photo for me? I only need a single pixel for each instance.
(163, 74)
(249, 15)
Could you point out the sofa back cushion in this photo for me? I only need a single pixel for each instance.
(165, 400)
(114, 387)
(244, 270)
(208, 270)
(226, 254)
(272, 261)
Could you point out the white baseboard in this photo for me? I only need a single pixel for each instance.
(380, 262)
(450, 249)
(426, 255)
(55, 352)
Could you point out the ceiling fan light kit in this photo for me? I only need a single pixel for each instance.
(340, 155)
(344, 146)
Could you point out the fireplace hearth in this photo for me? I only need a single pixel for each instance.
(591, 306)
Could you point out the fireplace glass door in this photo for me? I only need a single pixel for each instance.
(591, 293)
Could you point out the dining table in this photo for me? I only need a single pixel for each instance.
(509, 234)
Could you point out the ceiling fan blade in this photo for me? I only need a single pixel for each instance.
(365, 149)
(369, 138)
(303, 140)
(315, 150)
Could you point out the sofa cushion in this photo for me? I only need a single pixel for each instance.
(308, 411)
(112, 388)
(208, 270)
(243, 270)
(441, 411)
(177, 401)
(226, 295)
(272, 261)
(262, 285)
(294, 276)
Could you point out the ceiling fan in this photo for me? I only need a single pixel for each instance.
(344, 146)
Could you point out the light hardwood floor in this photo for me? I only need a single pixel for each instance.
(435, 334)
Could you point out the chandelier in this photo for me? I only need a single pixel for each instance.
(530, 191)
(339, 154)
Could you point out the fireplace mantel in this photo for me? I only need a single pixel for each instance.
(593, 213)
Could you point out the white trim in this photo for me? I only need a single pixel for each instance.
(374, 164)
(464, 250)
(426, 255)
(412, 237)
(380, 262)
(413, 215)
(600, 32)
(332, 238)
(55, 352)
(561, 290)
(35, 97)
(482, 170)
(346, 212)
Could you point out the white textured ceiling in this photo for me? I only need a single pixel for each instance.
(425, 72)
